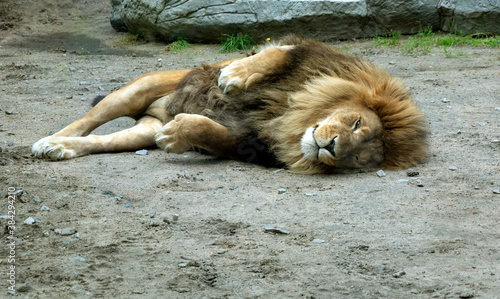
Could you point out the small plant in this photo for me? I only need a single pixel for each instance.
(238, 42)
(390, 40)
(179, 45)
(129, 39)
(422, 42)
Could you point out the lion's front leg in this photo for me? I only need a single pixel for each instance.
(192, 130)
(242, 74)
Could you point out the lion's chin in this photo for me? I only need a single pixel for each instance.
(326, 157)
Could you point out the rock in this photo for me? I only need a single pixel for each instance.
(412, 173)
(24, 288)
(381, 173)
(311, 194)
(318, 241)
(445, 100)
(399, 274)
(31, 220)
(142, 152)
(496, 191)
(44, 208)
(77, 258)
(419, 183)
(206, 21)
(453, 168)
(67, 231)
(467, 17)
(268, 228)
(281, 191)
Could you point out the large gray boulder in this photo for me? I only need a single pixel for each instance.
(466, 17)
(207, 20)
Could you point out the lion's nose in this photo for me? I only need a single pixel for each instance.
(331, 146)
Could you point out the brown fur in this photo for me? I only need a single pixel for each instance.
(314, 81)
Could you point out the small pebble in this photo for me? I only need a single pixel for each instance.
(72, 69)
(142, 152)
(445, 100)
(311, 194)
(128, 205)
(402, 181)
(318, 241)
(453, 168)
(67, 231)
(412, 173)
(69, 97)
(214, 191)
(281, 191)
(77, 258)
(44, 208)
(497, 108)
(152, 214)
(31, 220)
(419, 183)
(496, 191)
(183, 265)
(495, 141)
(9, 112)
(381, 173)
(175, 217)
(399, 274)
(269, 228)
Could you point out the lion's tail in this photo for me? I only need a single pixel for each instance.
(96, 100)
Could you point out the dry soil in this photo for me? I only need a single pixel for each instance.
(193, 226)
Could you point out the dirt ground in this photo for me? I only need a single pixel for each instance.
(193, 226)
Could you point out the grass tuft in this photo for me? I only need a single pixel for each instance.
(426, 39)
(238, 42)
(179, 45)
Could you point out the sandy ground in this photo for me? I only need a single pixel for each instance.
(193, 226)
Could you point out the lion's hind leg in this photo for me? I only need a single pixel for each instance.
(141, 135)
(193, 130)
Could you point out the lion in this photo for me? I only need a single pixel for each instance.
(299, 104)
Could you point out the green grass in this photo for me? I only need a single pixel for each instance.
(179, 45)
(423, 42)
(238, 42)
(128, 40)
(390, 40)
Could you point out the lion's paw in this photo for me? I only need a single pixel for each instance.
(53, 148)
(171, 137)
(237, 77)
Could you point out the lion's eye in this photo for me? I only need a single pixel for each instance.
(357, 125)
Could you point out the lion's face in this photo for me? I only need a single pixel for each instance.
(348, 138)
